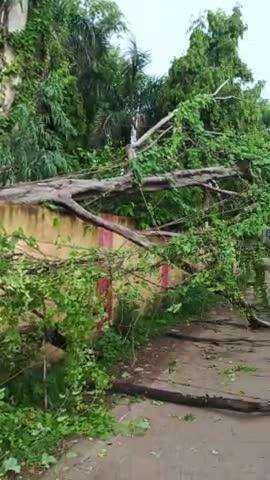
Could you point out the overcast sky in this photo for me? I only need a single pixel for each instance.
(160, 27)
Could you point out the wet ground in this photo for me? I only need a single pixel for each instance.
(185, 443)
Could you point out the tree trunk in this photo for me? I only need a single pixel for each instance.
(59, 189)
(13, 19)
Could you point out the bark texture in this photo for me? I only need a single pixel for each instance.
(59, 189)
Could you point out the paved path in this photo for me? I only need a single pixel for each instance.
(215, 445)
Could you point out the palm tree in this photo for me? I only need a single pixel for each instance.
(91, 29)
(128, 100)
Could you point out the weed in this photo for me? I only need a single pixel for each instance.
(133, 428)
(189, 417)
(231, 373)
(240, 368)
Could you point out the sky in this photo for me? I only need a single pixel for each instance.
(160, 27)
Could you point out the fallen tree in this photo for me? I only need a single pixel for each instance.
(68, 192)
(73, 193)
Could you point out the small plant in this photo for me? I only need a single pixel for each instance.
(240, 368)
(189, 417)
(231, 372)
(133, 428)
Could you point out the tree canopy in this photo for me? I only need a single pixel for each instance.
(76, 92)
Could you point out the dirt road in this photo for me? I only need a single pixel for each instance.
(185, 443)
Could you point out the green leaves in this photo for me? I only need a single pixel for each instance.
(62, 66)
(50, 298)
(136, 427)
(189, 417)
(211, 59)
(11, 465)
(47, 460)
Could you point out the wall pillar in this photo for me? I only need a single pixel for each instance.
(105, 240)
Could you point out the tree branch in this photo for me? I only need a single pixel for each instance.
(202, 401)
(167, 130)
(159, 233)
(131, 149)
(229, 193)
(153, 130)
(216, 341)
(229, 97)
(85, 215)
(67, 191)
(220, 87)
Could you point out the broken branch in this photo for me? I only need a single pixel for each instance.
(229, 193)
(216, 341)
(202, 401)
(154, 129)
(101, 222)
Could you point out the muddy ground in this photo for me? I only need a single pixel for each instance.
(185, 443)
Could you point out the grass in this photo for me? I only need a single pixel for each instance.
(240, 368)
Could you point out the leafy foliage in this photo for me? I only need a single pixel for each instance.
(48, 299)
(212, 59)
(76, 90)
(33, 434)
(79, 93)
(266, 113)
(42, 403)
(129, 95)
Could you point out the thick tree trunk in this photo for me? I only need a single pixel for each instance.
(13, 18)
(59, 189)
